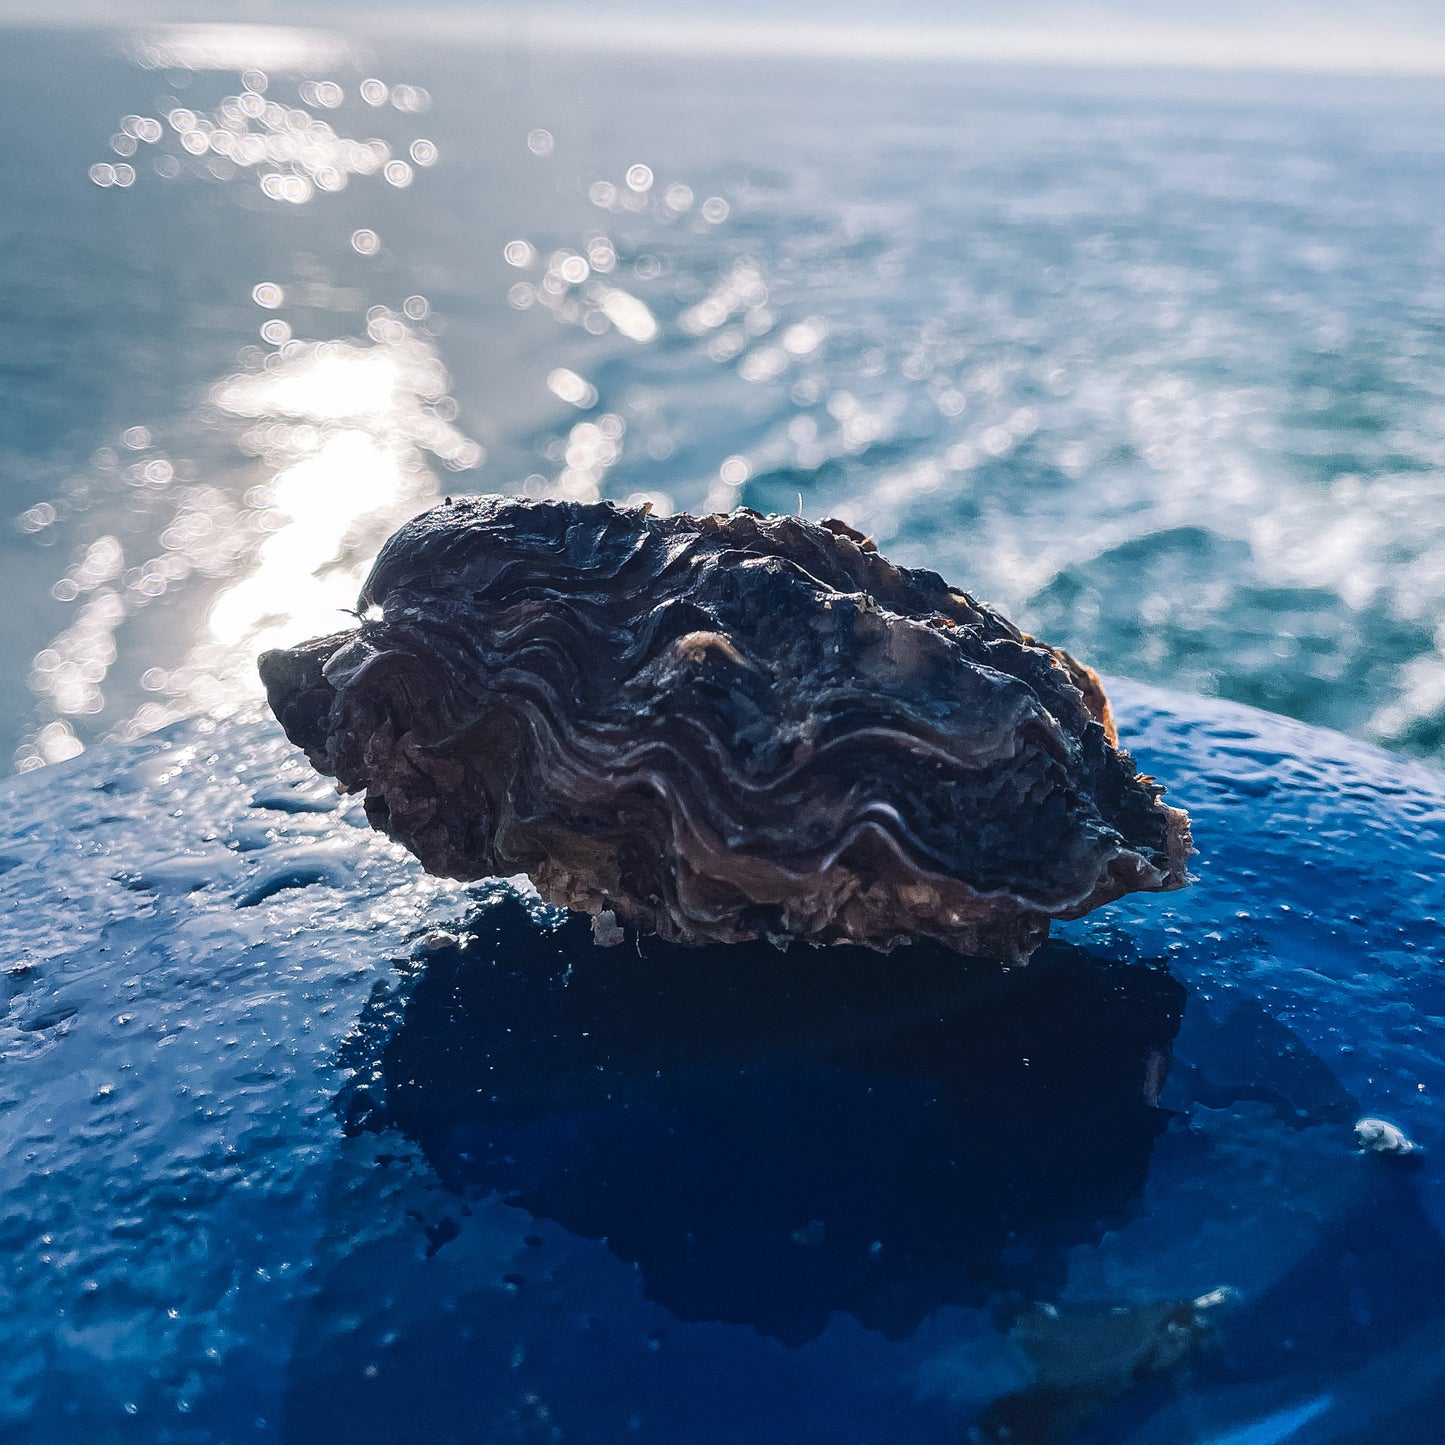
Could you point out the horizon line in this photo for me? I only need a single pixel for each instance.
(1329, 51)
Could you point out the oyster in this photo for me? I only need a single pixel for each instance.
(724, 728)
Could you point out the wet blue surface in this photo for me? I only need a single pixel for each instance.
(276, 1168)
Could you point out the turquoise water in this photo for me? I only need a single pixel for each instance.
(1155, 363)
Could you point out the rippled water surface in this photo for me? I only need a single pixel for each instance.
(1157, 364)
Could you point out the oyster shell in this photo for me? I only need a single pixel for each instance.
(724, 728)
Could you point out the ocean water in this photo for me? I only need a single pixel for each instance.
(1154, 362)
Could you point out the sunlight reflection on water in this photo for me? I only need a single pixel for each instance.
(1170, 399)
(343, 427)
(250, 49)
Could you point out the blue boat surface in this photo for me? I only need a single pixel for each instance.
(303, 1145)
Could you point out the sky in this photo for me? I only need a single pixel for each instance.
(1384, 36)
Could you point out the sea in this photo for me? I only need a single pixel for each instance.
(1152, 360)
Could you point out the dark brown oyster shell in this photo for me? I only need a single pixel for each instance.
(724, 728)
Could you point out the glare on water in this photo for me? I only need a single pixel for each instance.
(1158, 380)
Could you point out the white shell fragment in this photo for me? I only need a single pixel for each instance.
(1383, 1137)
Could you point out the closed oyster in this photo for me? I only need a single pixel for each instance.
(724, 728)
